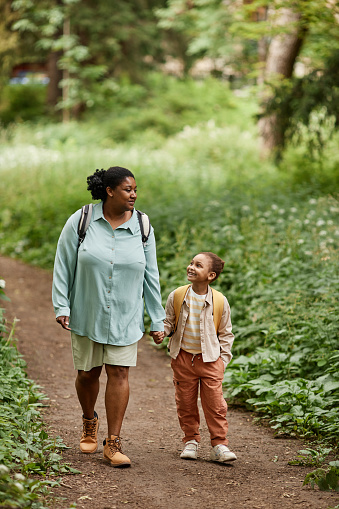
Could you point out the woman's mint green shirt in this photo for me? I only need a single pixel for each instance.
(115, 273)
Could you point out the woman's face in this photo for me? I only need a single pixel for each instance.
(125, 194)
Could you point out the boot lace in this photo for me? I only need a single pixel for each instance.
(114, 445)
(89, 428)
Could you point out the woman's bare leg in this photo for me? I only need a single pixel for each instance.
(87, 387)
(116, 397)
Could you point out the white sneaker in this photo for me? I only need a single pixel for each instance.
(190, 451)
(221, 453)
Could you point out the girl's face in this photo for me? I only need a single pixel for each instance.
(199, 270)
(125, 194)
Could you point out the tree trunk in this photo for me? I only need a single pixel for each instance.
(263, 45)
(282, 54)
(55, 76)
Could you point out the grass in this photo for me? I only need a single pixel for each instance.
(203, 183)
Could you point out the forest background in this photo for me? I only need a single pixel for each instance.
(227, 112)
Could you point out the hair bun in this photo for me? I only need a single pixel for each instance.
(95, 184)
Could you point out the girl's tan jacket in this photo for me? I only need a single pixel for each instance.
(212, 345)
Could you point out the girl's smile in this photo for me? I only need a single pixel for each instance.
(199, 271)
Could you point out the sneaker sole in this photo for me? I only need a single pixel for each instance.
(224, 461)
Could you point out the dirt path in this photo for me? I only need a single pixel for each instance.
(260, 479)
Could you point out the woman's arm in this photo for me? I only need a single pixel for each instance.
(152, 293)
(64, 266)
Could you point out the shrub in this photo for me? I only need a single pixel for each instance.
(22, 102)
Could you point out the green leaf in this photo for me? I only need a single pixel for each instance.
(330, 386)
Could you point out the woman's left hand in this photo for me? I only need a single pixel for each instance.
(64, 322)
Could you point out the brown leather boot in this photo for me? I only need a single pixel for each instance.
(89, 437)
(113, 454)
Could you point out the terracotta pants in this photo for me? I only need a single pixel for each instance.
(190, 373)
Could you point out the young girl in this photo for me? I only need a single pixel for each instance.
(200, 347)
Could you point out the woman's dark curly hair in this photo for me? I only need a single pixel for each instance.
(216, 263)
(101, 179)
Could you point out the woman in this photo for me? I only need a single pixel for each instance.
(98, 295)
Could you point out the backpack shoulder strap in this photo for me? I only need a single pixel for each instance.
(179, 295)
(218, 308)
(145, 226)
(85, 219)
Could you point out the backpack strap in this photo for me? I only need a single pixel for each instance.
(145, 226)
(218, 305)
(218, 308)
(179, 295)
(85, 219)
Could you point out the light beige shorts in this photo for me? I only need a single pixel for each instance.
(88, 354)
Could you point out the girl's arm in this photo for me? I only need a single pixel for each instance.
(170, 315)
(225, 335)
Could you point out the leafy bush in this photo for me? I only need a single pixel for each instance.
(25, 447)
(297, 100)
(22, 102)
(325, 478)
(164, 106)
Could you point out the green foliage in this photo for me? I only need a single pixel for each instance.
(311, 457)
(22, 102)
(325, 478)
(18, 491)
(25, 447)
(288, 334)
(308, 107)
(230, 31)
(205, 25)
(163, 106)
(319, 169)
(8, 41)
(237, 37)
(96, 44)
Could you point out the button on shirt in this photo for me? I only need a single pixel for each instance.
(103, 291)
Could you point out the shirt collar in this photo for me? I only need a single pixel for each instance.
(130, 225)
(209, 296)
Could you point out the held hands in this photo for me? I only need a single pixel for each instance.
(158, 336)
(64, 322)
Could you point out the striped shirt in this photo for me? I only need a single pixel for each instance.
(191, 340)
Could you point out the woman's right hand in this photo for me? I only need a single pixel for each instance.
(64, 322)
(158, 336)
